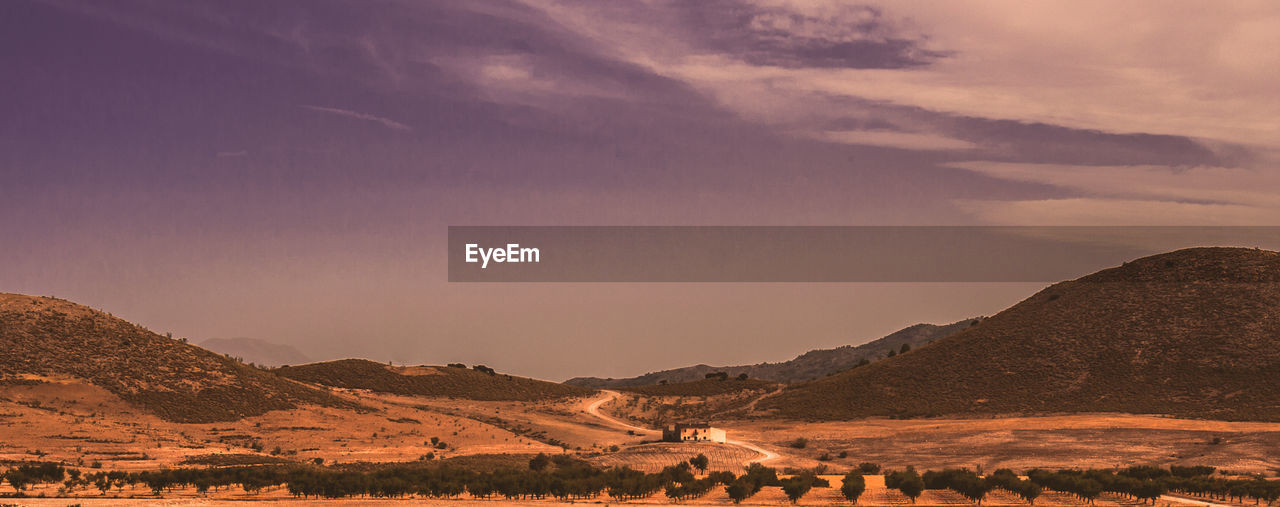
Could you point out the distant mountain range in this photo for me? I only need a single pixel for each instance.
(808, 366)
(259, 352)
(1192, 333)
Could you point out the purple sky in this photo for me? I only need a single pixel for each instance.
(286, 170)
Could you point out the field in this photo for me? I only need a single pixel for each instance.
(876, 495)
(61, 419)
(82, 425)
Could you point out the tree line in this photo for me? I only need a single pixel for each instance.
(566, 478)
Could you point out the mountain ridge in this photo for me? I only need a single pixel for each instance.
(807, 366)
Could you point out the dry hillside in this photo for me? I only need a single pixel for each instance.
(456, 382)
(1192, 333)
(704, 387)
(49, 337)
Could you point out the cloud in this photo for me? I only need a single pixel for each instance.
(894, 139)
(819, 35)
(1205, 184)
(1078, 65)
(1133, 195)
(386, 122)
(1091, 211)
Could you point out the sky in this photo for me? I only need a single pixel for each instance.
(287, 170)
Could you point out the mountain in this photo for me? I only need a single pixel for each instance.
(808, 366)
(1191, 333)
(49, 338)
(253, 350)
(477, 383)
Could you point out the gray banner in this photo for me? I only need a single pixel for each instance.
(816, 254)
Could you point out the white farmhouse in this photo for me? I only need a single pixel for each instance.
(700, 432)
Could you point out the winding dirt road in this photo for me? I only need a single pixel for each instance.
(592, 407)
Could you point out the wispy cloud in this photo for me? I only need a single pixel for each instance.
(386, 122)
(1132, 195)
(894, 139)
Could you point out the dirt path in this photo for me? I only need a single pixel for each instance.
(592, 407)
(1191, 501)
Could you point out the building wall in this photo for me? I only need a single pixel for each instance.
(694, 434)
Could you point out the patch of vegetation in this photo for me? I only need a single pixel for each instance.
(225, 460)
(478, 383)
(707, 387)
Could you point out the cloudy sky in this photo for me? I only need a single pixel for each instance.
(286, 170)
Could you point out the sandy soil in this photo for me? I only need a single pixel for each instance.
(83, 425)
(1086, 440)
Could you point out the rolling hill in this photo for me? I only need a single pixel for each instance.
(253, 350)
(458, 382)
(49, 338)
(704, 387)
(808, 366)
(1191, 333)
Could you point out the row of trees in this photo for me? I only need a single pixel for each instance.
(568, 479)
(573, 479)
(1149, 483)
(975, 487)
(1143, 483)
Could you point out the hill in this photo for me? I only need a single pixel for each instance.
(808, 366)
(479, 383)
(53, 338)
(704, 387)
(253, 350)
(1191, 333)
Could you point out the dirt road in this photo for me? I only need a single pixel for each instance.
(592, 407)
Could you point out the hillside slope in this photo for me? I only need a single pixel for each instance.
(48, 337)
(808, 366)
(1193, 333)
(455, 382)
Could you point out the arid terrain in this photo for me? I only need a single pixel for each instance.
(83, 396)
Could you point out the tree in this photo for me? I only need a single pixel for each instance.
(908, 482)
(796, 487)
(742, 376)
(912, 487)
(540, 462)
(853, 487)
(738, 490)
(906, 347)
(700, 462)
